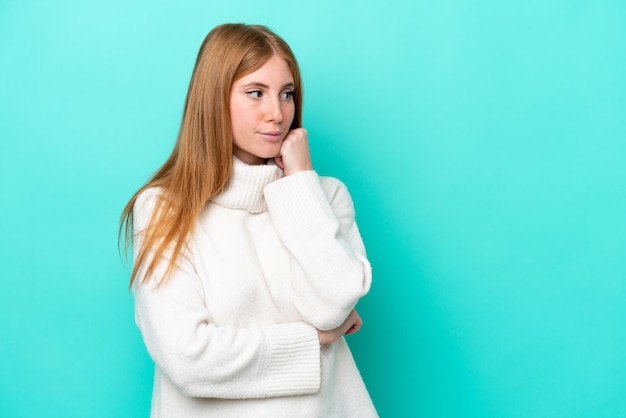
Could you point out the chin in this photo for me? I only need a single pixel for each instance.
(270, 153)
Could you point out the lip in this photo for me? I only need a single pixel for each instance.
(271, 136)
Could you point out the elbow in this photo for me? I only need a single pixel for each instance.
(183, 373)
(330, 319)
(183, 359)
(353, 284)
(334, 305)
(188, 387)
(185, 386)
(364, 281)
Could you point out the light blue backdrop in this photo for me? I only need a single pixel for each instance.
(484, 143)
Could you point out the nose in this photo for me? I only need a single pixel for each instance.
(274, 110)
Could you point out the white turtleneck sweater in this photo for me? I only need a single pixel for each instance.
(233, 331)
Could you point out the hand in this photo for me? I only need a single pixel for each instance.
(351, 325)
(294, 153)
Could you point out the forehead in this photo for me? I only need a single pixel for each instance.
(276, 70)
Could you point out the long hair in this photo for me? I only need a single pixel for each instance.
(200, 164)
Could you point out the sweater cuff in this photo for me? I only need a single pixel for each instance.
(295, 365)
(298, 204)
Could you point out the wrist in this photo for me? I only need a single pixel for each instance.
(290, 171)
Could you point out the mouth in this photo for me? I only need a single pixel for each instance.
(272, 136)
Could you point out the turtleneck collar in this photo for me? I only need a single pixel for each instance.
(245, 187)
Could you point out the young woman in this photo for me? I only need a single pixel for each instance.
(247, 264)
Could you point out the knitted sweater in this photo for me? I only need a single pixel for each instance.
(233, 331)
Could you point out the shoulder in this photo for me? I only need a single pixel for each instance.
(145, 205)
(147, 199)
(149, 194)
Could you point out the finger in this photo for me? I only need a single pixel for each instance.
(279, 162)
(359, 321)
(355, 321)
(294, 134)
(353, 329)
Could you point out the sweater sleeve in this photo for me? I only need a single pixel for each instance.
(316, 221)
(205, 360)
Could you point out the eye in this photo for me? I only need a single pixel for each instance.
(287, 95)
(256, 94)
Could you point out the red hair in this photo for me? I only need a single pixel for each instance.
(201, 162)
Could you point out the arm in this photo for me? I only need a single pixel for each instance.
(351, 325)
(206, 360)
(315, 220)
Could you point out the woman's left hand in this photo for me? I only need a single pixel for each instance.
(351, 325)
(294, 153)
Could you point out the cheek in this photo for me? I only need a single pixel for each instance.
(244, 112)
(240, 118)
(233, 113)
(291, 113)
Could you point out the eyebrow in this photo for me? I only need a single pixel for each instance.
(265, 86)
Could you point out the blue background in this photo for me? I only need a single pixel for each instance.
(483, 142)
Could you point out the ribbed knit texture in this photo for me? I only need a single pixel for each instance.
(245, 188)
(233, 331)
(284, 366)
(303, 190)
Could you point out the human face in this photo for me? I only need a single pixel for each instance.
(262, 109)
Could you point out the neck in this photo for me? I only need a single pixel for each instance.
(244, 190)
